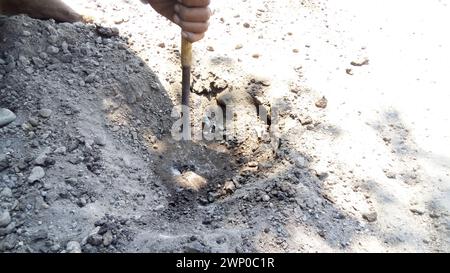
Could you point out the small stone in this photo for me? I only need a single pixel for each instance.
(5, 219)
(27, 126)
(8, 229)
(6, 117)
(306, 121)
(6, 192)
(37, 173)
(33, 122)
(261, 79)
(73, 247)
(349, 71)
(162, 45)
(210, 48)
(295, 50)
(191, 180)
(95, 239)
(238, 46)
(256, 56)
(301, 162)
(107, 238)
(82, 202)
(52, 49)
(90, 78)
(4, 162)
(266, 198)
(229, 187)
(100, 141)
(65, 46)
(41, 159)
(370, 216)
(246, 25)
(38, 62)
(364, 61)
(322, 103)
(45, 113)
(253, 164)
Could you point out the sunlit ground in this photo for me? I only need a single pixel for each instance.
(403, 92)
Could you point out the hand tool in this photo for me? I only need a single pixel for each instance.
(186, 63)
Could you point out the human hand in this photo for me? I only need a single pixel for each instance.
(191, 15)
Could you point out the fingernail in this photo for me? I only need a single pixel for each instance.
(177, 8)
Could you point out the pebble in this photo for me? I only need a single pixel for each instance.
(107, 238)
(33, 122)
(322, 103)
(5, 218)
(6, 117)
(253, 164)
(6, 192)
(52, 49)
(95, 239)
(37, 173)
(364, 61)
(266, 198)
(191, 180)
(306, 121)
(4, 162)
(246, 25)
(8, 229)
(301, 162)
(239, 46)
(370, 216)
(100, 141)
(65, 46)
(45, 113)
(40, 160)
(229, 187)
(38, 62)
(73, 247)
(90, 78)
(210, 48)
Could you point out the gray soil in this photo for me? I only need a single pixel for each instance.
(88, 162)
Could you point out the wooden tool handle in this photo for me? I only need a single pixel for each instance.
(186, 53)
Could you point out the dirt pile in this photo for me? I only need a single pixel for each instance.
(88, 163)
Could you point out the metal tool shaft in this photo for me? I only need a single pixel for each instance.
(186, 63)
(186, 86)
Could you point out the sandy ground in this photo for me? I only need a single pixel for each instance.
(379, 148)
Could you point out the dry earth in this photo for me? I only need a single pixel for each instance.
(360, 160)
